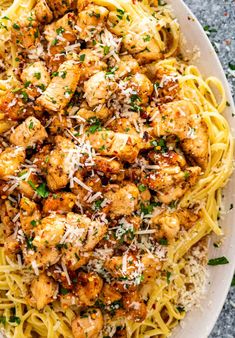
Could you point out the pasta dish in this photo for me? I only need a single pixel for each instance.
(114, 153)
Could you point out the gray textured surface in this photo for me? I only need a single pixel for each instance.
(219, 15)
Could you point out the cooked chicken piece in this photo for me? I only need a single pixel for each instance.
(61, 31)
(6, 125)
(166, 224)
(59, 7)
(98, 89)
(123, 266)
(28, 133)
(82, 4)
(145, 195)
(171, 183)
(90, 64)
(123, 125)
(41, 158)
(10, 161)
(125, 147)
(61, 88)
(152, 266)
(84, 228)
(88, 326)
(49, 231)
(59, 124)
(11, 246)
(61, 203)
(126, 66)
(144, 48)
(68, 300)
(91, 16)
(37, 76)
(96, 232)
(43, 259)
(166, 158)
(148, 56)
(93, 183)
(187, 218)
(172, 178)
(111, 168)
(13, 107)
(43, 13)
(87, 114)
(88, 288)
(56, 57)
(73, 258)
(29, 215)
(25, 33)
(123, 201)
(58, 164)
(143, 87)
(7, 214)
(109, 294)
(135, 307)
(24, 186)
(181, 119)
(169, 89)
(43, 288)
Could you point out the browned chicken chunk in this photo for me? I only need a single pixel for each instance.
(61, 88)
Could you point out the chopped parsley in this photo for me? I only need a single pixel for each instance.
(54, 42)
(180, 309)
(209, 29)
(16, 26)
(98, 204)
(60, 30)
(106, 50)
(115, 306)
(60, 246)
(33, 223)
(95, 125)
(100, 304)
(63, 74)
(142, 187)
(41, 190)
(27, 84)
(161, 3)
(29, 243)
(64, 291)
(31, 125)
(25, 96)
(218, 261)
(160, 145)
(147, 38)
(14, 319)
(186, 175)
(233, 281)
(3, 320)
(54, 74)
(163, 241)
(147, 209)
(231, 66)
(168, 277)
(82, 57)
(37, 76)
(156, 86)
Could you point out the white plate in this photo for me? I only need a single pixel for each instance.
(200, 322)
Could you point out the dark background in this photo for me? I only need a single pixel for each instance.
(218, 19)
